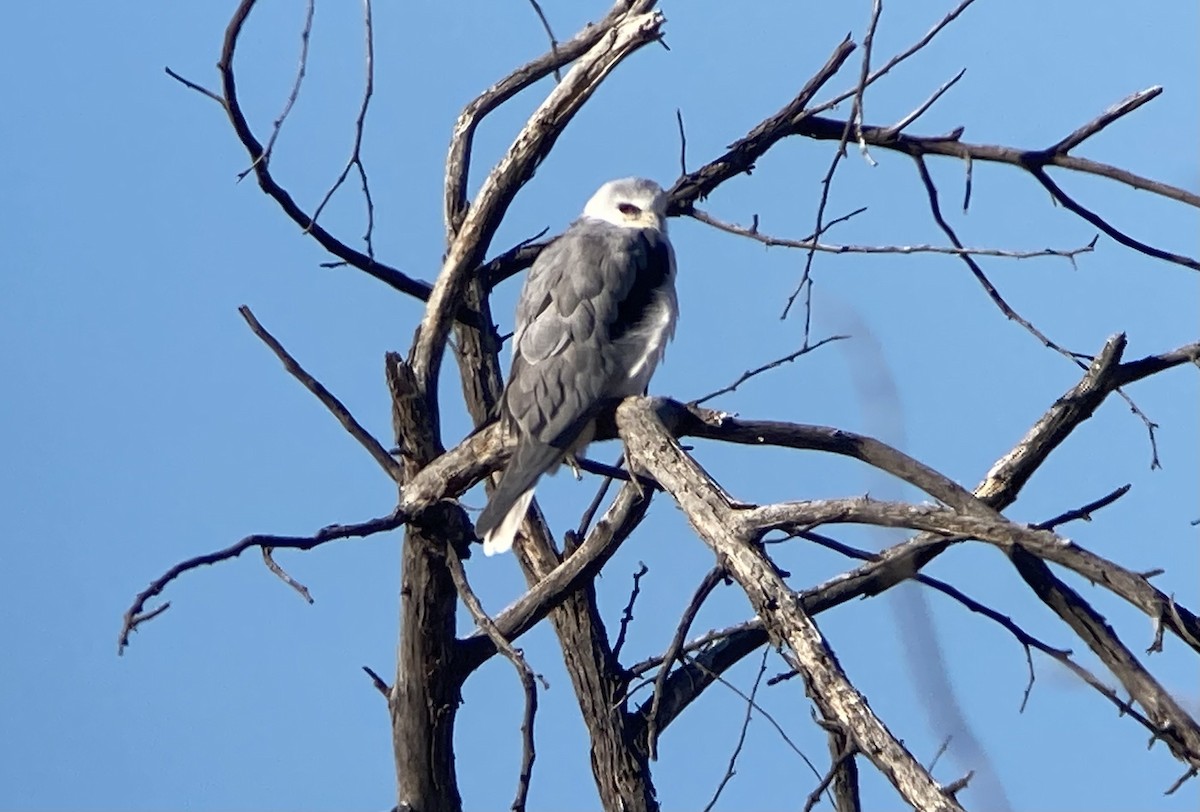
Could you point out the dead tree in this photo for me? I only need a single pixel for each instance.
(431, 469)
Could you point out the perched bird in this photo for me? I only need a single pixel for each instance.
(593, 320)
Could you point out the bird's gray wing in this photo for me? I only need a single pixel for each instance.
(582, 294)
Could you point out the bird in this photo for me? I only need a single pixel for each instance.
(592, 323)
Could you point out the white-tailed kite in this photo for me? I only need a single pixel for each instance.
(593, 320)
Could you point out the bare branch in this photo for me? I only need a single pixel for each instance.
(744, 152)
(731, 770)
(1183, 779)
(1121, 108)
(843, 752)
(378, 681)
(682, 142)
(537, 9)
(856, 112)
(900, 125)
(136, 614)
(916, 47)
(1027, 640)
(755, 234)
(237, 118)
(1009, 474)
(301, 69)
(524, 673)
(952, 145)
(328, 400)
(282, 575)
(936, 210)
(627, 614)
(1099, 222)
(355, 160)
(1174, 725)
(602, 542)
(1084, 512)
(203, 91)
(673, 653)
(722, 528)
(458, 161)
(631, 32)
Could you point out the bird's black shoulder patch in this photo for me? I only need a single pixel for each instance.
(651, 255)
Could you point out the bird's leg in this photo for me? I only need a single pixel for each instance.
(573, 461)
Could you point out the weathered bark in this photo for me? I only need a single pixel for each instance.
(425, 697)
(718, 522)
(621, 769)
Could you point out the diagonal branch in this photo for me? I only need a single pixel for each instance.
(327, 398)
(1070, 204)
(743, 153)
(266, 181)
(673, 653)
(631, 32)
(1174, 725)
(719, 525)
(458, 161)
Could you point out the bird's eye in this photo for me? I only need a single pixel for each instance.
(628, 209)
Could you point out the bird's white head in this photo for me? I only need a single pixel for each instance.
(630, 203)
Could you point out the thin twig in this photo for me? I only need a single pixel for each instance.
(707, 585)
(879, 73)
(537, 8)
(856, 113)
(941, 751)
(748, 374)
(808, 244)
(525, 674)
(743, 153)
(355, 159)
(751, 703)
(301, 68)
(188, 83)
(806, 279)
(936, 210)
(137, 614)
(266, 181)
(845, 754)
(378, 682)
(682, 142)
(730, 771)
(1122, 108)
(899, 126)
(1099, 222)
(627, 615)
(1183, 779)
(283, 575)
(1084, 512)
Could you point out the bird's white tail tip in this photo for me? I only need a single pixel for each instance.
(500, 538)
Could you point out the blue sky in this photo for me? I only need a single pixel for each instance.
(142, 423)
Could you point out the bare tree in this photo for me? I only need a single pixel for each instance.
(434, 663)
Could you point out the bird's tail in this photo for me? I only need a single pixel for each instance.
(500, 520)
(500, 538)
